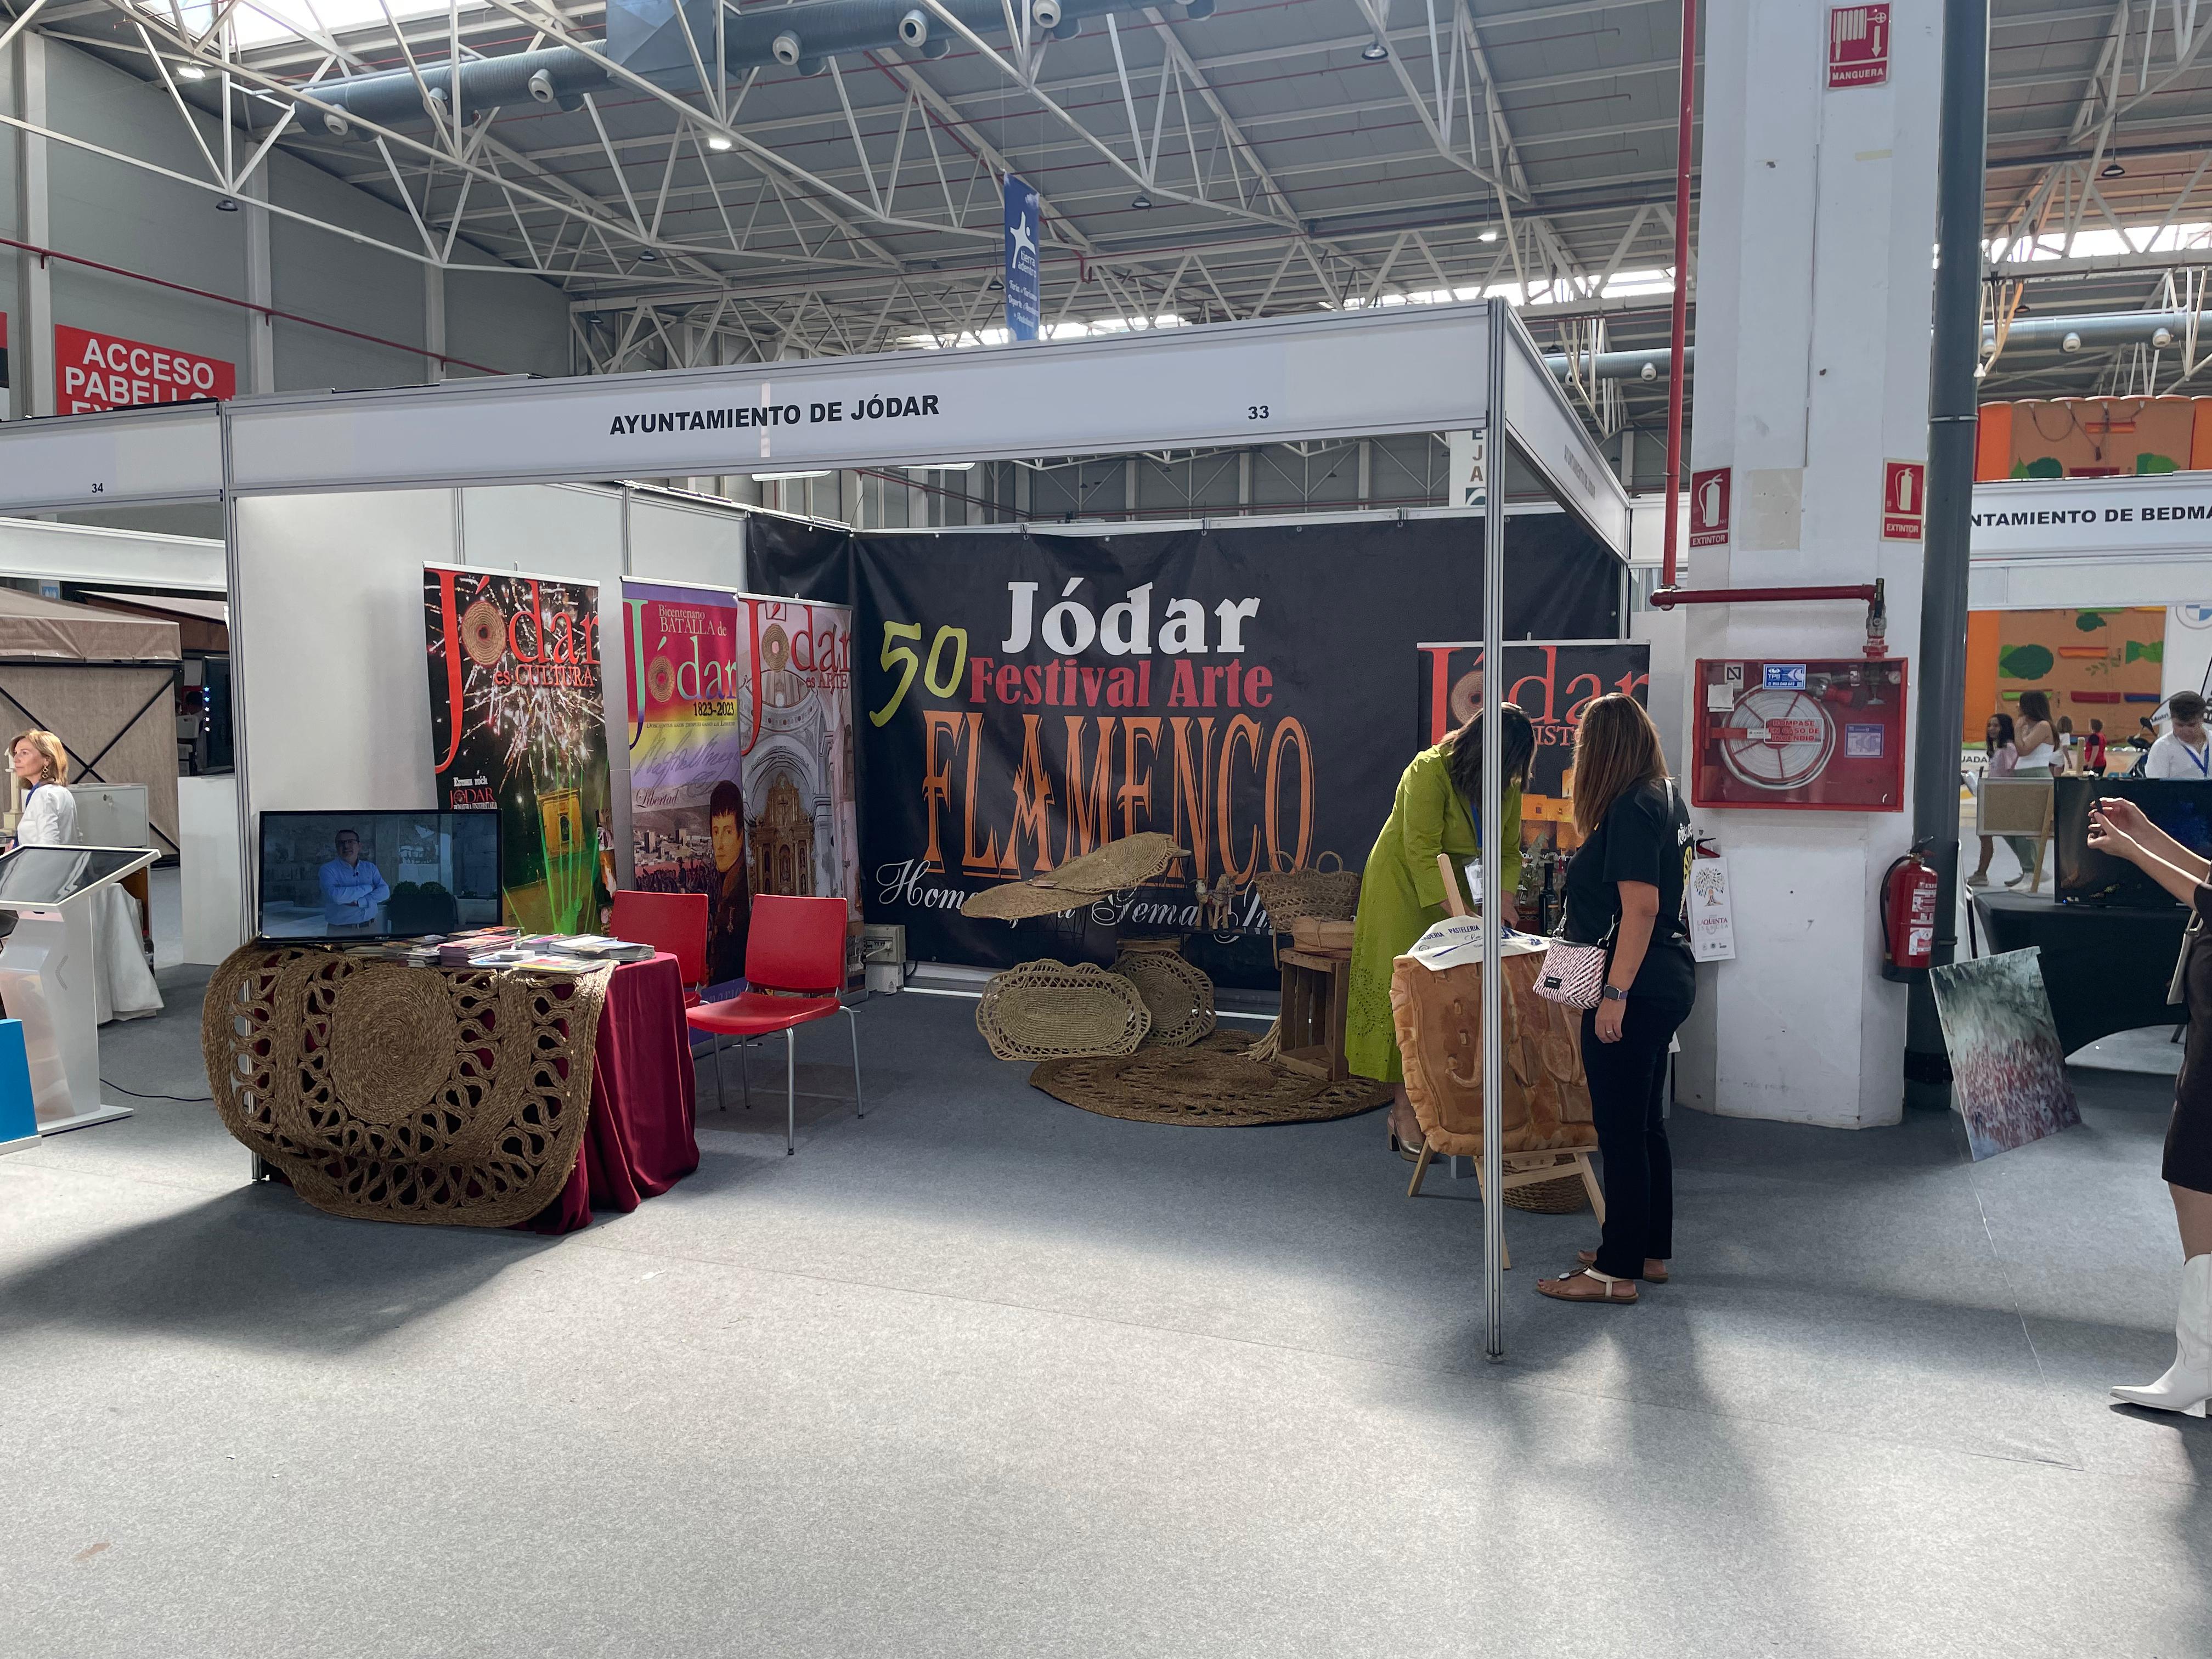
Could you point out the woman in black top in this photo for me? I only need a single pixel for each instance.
(1625, 884)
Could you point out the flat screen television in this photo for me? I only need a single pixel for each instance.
(2184, 811)
(377, 875)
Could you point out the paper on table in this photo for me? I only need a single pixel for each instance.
(1457, 940)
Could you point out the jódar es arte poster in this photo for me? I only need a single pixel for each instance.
(518, 726)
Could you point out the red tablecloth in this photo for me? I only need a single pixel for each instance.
(640, 1140)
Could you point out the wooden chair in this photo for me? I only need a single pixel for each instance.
(1520, 1169)
(2018, 806)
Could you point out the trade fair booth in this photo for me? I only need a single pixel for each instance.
(2096, 591)
(360, 527)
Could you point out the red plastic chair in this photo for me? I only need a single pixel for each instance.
(674, 922)
(794, 967)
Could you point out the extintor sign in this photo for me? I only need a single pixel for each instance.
(1904, 500)
(1708, 506)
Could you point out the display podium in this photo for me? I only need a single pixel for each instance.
(48, 974)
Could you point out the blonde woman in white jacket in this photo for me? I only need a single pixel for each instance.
(125, 986)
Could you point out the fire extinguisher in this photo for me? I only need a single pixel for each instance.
(1908, 915)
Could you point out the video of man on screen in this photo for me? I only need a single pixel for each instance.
(378, 875)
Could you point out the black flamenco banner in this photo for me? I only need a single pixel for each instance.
(1023, 699)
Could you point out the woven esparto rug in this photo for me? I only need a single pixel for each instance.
(454, 1098)
(1212, 1085)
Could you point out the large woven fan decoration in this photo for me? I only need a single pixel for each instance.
(1116, 866)
(454, 1098)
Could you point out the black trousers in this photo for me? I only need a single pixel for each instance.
(1627, 1085)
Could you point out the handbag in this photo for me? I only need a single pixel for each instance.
(1574, 974)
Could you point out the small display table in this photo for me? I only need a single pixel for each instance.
(48, 976)
(1315, 992)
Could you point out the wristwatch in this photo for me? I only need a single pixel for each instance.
(1615, 994)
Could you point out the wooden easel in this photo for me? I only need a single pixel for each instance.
(1521, 1169)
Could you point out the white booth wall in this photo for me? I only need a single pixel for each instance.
(333, 701)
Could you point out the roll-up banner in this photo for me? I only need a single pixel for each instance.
(741, 760)
(1548, 680)
(518, 726)
(1023, 699)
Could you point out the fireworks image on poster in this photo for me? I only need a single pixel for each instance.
(518, 726)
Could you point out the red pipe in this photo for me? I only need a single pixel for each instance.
(270, 311)
(1668, 598)
(1680, 335)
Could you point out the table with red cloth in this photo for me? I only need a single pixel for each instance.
(640, 1139)
(639, 1133)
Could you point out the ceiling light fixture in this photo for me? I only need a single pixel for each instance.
(1376, 52)
(716, 141)
(226, 204)
(646, 255)
(1140, 200)
(2113, 170)
(1487, 236)
(190, 72)
(781, 477)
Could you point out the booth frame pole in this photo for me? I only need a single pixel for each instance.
(1489, 837)
(249, 897)
(1946, 552)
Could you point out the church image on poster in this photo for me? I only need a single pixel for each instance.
(801, 826)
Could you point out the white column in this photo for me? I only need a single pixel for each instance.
(1816, 224)
(31, 330)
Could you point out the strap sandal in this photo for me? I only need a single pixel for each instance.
(1589, 1284)
(1589, 1259)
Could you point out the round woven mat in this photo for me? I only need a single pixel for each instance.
(1562, 1197)
(1178, 993)
(392, 1038)
(1213, 1085)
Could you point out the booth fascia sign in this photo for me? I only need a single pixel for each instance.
(1282, 379)
(2138, 539)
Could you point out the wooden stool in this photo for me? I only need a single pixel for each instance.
(1316, 990)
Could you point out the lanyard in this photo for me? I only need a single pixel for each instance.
(2202, 762)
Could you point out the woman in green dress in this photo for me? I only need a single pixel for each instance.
(1401, 892)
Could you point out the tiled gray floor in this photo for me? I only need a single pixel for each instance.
(982, 1375)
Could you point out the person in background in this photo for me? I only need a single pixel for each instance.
(41, 766)
(2144, 739)
(730, 918)
(352, 888)
(2069, 746)
(125, 987)
(2120, 829)
(2035, 747)
(1629, 883)
(2092, 750)
(1401, 892)
(1996, 745)
(2184, 753)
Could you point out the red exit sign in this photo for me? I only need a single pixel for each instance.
(1858, 45)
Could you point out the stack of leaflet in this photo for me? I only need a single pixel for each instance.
(600, 947)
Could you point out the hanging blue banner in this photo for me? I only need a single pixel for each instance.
(1023, 227)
